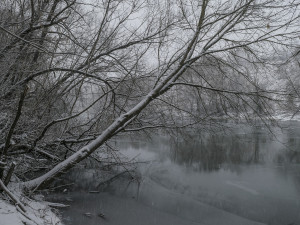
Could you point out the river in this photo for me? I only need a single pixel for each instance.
(241, 175)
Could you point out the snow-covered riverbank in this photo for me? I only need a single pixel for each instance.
(38, 212)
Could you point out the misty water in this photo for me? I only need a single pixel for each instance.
(240, 175)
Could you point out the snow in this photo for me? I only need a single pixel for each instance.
(37, 212)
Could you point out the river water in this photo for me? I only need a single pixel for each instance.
(241, 175)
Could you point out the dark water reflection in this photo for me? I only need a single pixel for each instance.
(245, 171)
(211, 151)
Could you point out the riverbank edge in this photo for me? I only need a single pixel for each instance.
(37, 211)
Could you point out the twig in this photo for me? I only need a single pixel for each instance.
(22, 39)
(53, 157)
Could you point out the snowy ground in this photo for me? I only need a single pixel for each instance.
(38, 212)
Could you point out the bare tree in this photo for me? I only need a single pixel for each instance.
(89, 71)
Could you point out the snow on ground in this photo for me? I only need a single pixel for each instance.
(37, 212)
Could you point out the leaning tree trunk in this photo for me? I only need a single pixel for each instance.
(112, 130)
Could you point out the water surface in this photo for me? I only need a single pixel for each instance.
(242, 176)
